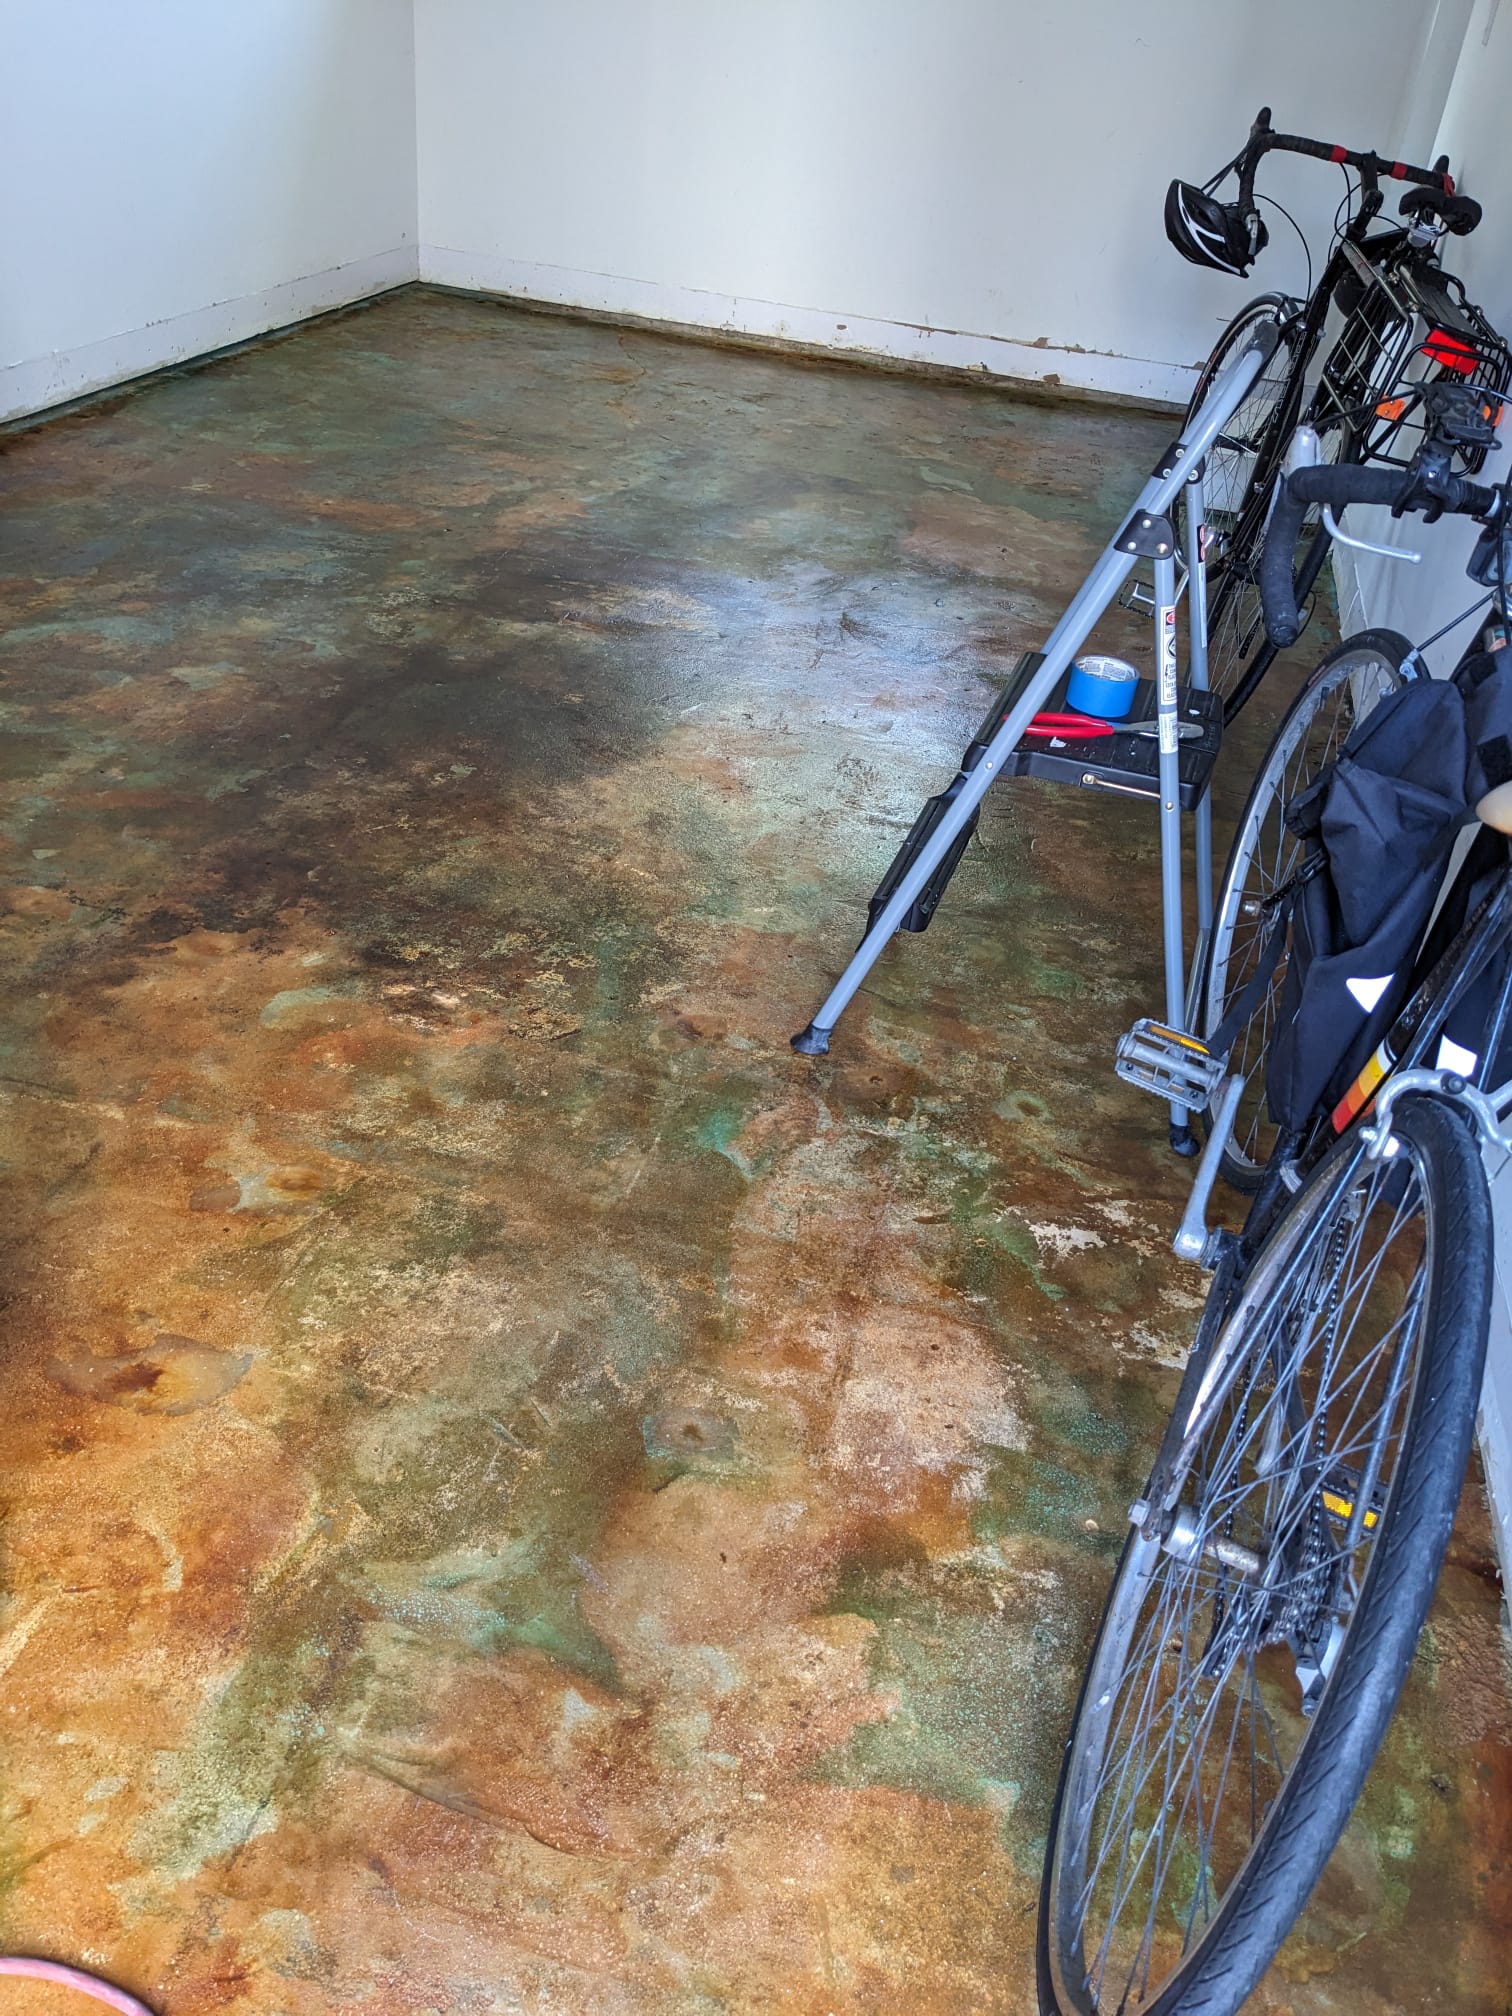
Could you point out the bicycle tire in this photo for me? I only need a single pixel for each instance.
(1293, 1838)
(1342, 440)
(1264, 656)
(1239, 610)
(1244, 457)
(1354, 675)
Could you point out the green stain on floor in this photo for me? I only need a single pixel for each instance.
(644, 1561)
(967, 1720)
(717, 1134)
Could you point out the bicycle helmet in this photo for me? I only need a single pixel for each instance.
(1210, 233)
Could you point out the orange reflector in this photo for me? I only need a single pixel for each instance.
(1391, 409)
(1363, 1090)
(1179, 1036)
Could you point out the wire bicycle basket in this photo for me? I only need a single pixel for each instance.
(1404, 330)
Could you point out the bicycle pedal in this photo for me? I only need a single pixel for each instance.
(1138, 592)
(1177, 1068)
(1339, 1496)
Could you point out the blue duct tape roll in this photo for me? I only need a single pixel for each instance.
(1101, 686)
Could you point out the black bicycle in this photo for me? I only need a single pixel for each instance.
(1282, 1558)
(1383, 321)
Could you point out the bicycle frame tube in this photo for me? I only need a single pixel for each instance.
(1075, 626)
(1496, 1029)
(1478, 941)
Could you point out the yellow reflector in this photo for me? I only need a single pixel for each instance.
(1342, 1508)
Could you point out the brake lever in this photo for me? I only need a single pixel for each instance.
(1366, 545)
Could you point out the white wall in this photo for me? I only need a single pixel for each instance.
(180, 174)
(976, 182)
(964, 180)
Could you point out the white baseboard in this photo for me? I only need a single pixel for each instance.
(40, 382)
(812, 328)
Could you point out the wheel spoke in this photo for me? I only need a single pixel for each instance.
(1266, 856)
(1201, 1717)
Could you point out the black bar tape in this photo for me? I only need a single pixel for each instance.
(1368, 164)
(1323, 485)
(1330, 484)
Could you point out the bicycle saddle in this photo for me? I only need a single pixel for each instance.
(1457, 214)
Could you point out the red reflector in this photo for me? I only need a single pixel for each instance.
(1451, 351)
(1399, 170)
(1448, 185)
(1339, 154)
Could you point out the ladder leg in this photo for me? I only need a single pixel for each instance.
(1204, 864)
(1182, 1138)
(936, 841)
(1197, 662)
(929, 855)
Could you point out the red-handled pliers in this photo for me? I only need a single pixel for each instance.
(1069, 727)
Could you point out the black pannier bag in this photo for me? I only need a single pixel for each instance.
(1380, 823)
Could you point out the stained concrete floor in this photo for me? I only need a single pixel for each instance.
(518, 1493)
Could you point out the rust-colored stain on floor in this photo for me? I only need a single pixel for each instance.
(519, 1494)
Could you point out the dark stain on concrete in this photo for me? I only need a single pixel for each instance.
(518, 1492)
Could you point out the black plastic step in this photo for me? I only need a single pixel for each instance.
(924, 905)
(1122, 762)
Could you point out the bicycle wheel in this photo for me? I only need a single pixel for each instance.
(1236, 621)
(1265, 856)
(1264, 1616)
(1252, 650)
(1239, 468)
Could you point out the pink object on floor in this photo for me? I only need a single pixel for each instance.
(75, 1977)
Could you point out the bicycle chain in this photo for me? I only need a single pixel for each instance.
(1299, 1615)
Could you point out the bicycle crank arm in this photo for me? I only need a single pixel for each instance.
(1195, 1238)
